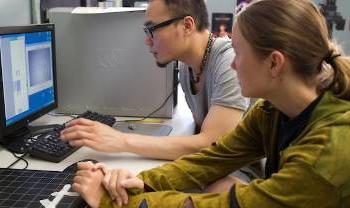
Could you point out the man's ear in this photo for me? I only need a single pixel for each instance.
(189, 24)
(277, 63)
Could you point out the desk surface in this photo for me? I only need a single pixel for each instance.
(182, 123)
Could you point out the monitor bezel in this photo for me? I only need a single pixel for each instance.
(24, 122)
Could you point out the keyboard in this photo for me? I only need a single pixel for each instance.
(105, 119)
(37, 189)
(48, 146)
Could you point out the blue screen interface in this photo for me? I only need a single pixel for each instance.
(27, 73)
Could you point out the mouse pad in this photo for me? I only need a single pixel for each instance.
(144, 128)
(37, 188)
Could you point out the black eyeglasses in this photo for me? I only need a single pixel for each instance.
(149, 29)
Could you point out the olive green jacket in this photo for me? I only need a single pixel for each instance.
(314, 170)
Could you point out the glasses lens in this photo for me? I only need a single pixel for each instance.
(150, 28)
(147, 31)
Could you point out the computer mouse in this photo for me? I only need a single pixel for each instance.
(74, 167)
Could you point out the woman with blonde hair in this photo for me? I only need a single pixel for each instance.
(301, 125)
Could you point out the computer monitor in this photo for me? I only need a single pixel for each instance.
(28, 77)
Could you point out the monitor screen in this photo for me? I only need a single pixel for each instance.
(28, 79)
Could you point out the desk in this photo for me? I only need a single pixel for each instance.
(182, 123)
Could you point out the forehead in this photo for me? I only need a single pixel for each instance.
(156, 12)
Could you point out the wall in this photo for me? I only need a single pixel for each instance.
(15, 12)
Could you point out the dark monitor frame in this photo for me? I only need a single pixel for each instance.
(22, 125)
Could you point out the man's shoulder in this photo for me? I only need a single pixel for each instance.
(221, 52)
(221, 45)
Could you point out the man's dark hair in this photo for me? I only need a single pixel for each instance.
(197, 9)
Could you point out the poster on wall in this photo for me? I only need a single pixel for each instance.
(335, 19)
(222, 24)
(337, 14)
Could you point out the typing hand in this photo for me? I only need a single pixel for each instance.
(98, 136)
(88, 182)
(117, 181)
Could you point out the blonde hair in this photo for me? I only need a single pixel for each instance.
(299, 30)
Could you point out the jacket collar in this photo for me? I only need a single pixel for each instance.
(328, 105)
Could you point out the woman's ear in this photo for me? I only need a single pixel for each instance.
(277, 63)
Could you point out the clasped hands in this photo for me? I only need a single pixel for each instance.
(92, 180)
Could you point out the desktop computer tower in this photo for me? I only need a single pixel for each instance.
(45, 5)
(103, 65)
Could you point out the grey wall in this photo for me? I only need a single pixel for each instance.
(15, 12)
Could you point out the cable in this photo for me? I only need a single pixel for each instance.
(153, 112)
(61, 114)
(18, 159)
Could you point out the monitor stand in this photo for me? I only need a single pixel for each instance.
(15, 142)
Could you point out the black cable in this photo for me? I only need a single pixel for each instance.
(135, 120)
(18, 159)
(61, 114)
(153, 112)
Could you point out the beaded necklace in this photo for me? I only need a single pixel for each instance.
(195, 77)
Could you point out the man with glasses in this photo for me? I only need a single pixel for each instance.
(178, 30)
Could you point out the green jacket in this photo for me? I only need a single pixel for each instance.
(314, 170)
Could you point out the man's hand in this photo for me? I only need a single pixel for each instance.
(117, 181)
(98, 136)
(88, 182)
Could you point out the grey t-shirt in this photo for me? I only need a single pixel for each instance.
(221, 85)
